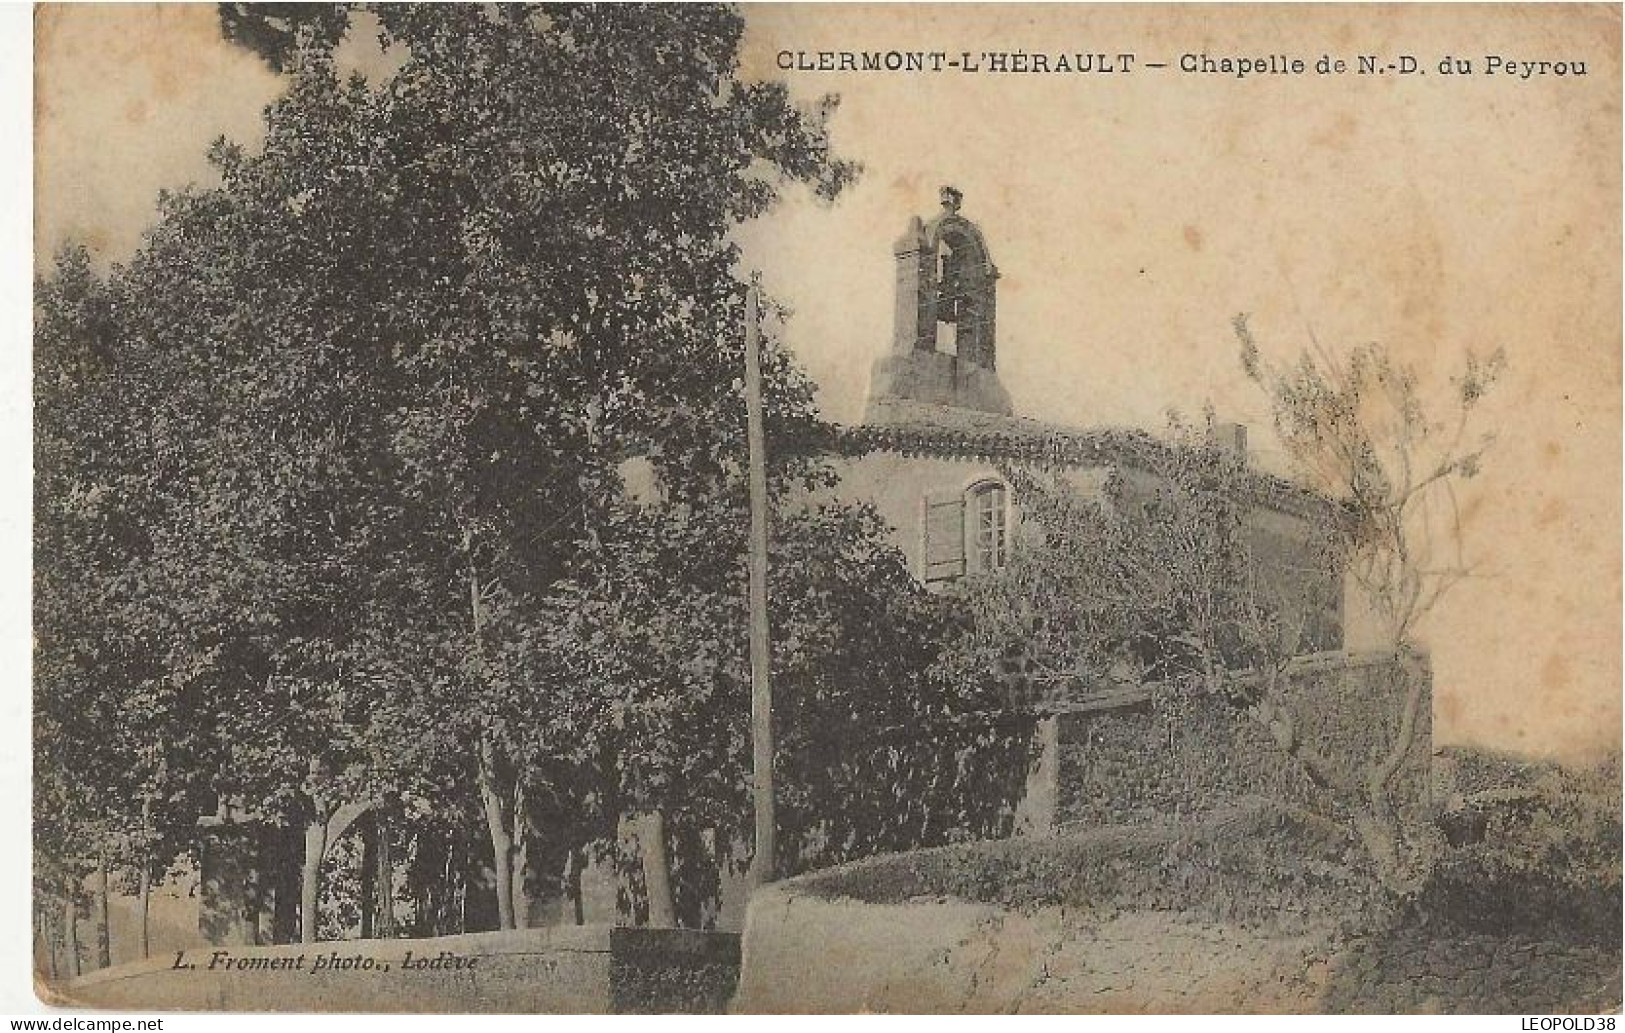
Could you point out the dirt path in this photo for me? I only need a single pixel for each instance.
(1154, 962)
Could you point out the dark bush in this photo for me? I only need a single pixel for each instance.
(1477, 889)
(1538, 854)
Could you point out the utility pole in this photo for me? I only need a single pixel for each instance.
(762, 864)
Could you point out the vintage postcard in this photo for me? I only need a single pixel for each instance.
(920, 508)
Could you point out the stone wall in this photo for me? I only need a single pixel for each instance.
(1246, 912)
(937, 955)
(563, 969)
(1141, 763)
(1161, 755)
(666, 971)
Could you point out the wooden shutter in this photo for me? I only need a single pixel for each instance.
(944, 525)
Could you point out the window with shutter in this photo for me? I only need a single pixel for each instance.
(990, 538)
(944, 537)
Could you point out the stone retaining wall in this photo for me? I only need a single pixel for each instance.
(561, 969)
(880, 936)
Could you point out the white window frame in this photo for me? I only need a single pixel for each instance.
(976, 558)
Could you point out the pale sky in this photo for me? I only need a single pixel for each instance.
(1131, 217)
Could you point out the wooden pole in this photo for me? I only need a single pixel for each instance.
(144, 887)
(762, 865)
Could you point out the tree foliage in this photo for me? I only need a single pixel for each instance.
(1364, 430)
(1147, 576)
(334, 506)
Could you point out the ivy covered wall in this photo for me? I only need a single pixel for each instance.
(1183, 752)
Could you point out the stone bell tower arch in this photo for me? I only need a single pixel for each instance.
(944, 348)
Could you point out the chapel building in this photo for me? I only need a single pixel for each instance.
(938, 427)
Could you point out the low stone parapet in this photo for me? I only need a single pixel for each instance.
(590, 969)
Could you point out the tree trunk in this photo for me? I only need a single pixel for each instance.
(255, 888)
(49, 934)
(521, 892)
(1382, 775)
(496, 823)
(656, 870)
(578, 861)
(385, 881)
(368, 875)
(457, 883)
(278, 861)
(310, 879)
(1374, 821)
(70, 921)
(436, 884)
(452, 873)
(1379, 829)
(104, 936)
(1380, 839)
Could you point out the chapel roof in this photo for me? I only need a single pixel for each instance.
(921, 429)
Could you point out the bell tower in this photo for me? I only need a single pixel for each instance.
(944, 345)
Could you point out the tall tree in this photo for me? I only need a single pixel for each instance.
(376, 389)
(1365, 430)
(541, 270)
(102, 715)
